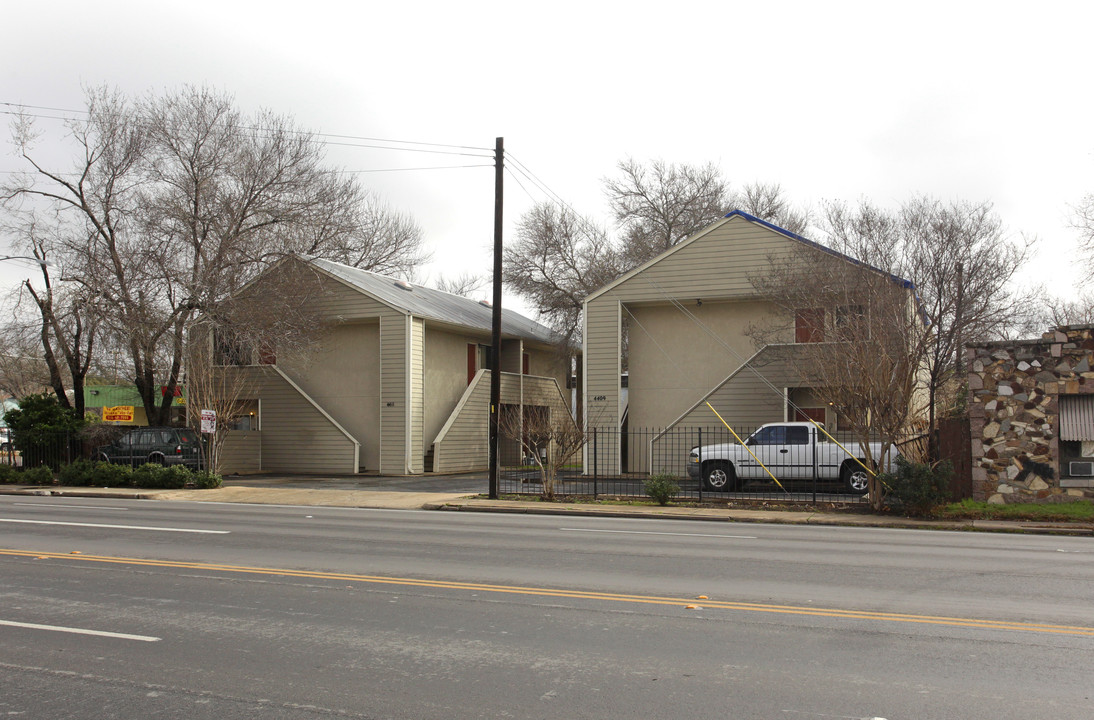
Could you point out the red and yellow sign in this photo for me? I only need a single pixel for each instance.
(119, 413)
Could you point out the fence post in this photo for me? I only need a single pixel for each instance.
(595, 493)
(700, 452)
(813, 434)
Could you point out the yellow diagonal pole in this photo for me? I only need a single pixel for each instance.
(841, 447)
(746, 449)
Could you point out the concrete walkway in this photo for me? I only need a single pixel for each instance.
(347, 492)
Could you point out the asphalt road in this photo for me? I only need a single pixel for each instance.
(130, 609)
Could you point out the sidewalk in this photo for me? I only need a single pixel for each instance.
(352, 496)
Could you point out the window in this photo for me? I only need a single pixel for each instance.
(230, 350)
(850, 321)
(809, 325)
(266, 354)
(848, 418)
(775, 435)
(478, 358)
(797, 435)
(246, 419)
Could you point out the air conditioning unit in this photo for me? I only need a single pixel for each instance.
(1081, 469)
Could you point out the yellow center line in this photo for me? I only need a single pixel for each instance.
(576, 594)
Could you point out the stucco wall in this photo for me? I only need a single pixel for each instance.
(674, 361)
(344, 378)
(445, 376)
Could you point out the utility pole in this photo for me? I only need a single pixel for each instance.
(958, 323)
(495, 330)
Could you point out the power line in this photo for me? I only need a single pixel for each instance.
(435, 167)
(519, 183)
(402, 149)
(366, 139)
(524, 170)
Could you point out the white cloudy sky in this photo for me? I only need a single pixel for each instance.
(837, 100)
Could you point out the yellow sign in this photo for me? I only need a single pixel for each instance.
(121, 413)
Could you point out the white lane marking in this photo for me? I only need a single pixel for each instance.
(116, 527)
(646, 532)
(55, 506)
(80, 631)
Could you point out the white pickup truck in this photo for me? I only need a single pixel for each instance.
(786, 449)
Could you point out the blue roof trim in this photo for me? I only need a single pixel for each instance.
(908, 284)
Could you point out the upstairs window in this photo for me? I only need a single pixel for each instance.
(809, 325)
(229, 350)
(850, 321)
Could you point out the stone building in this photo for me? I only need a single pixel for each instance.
(1031, 410)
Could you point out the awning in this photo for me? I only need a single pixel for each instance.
(1077, 417)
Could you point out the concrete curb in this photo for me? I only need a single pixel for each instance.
(58, 492)
(768, 517)
(449, 502)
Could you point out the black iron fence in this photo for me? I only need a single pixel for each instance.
(780, 463)
(56, 448)
(35, 448)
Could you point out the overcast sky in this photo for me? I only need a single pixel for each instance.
(837, 100)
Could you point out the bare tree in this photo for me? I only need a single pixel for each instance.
(175, 202)
(464, 284)
(962, 263)
(660, 205)
(767, 201)
(360, 230)
(23, 371)
(1083, 221)
(64, 326)
(862, 342)
(1057, 311)
(69, 327)
(548, 438)
(558, 259)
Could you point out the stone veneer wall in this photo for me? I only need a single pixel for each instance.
(1014, 391)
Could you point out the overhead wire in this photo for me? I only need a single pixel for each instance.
(427, 146)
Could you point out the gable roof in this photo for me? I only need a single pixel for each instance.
(907, 284)
(433, 304)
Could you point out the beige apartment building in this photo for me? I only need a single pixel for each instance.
(399, 384)
(686, 316)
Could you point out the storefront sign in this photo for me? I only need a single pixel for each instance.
(120, 413)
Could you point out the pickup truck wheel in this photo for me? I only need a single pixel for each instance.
(718, 475)
(855, 478)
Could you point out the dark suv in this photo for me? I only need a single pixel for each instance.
(160, 445)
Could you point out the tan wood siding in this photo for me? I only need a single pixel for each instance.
(242, 453)
(296, 436)
(343, 376)
(416, 445)
(719, 263)
(393, 394)
(601, 354)
(463, 444)
(339, 302)
(744, 400)
(675, 359)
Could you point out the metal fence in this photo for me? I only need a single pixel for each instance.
(50, 448)
(619, 462)
(57, 448)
